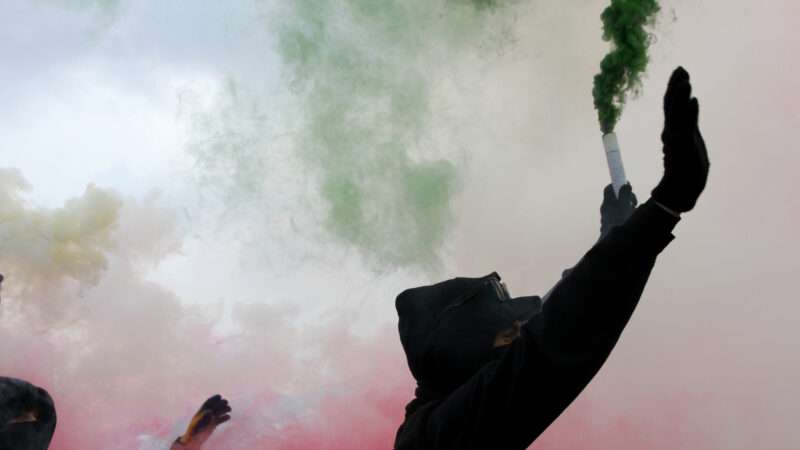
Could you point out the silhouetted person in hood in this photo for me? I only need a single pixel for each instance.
(493, 372)
(27, 416)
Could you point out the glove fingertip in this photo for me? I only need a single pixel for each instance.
(626, 193)
(679, 78)
(679, 74)
(210, 401)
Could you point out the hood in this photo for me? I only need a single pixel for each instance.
(448, 329)
(16, 398)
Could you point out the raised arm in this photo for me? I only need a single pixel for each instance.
(614, 211)
(587, 311)
(212, 413)
(562, 348)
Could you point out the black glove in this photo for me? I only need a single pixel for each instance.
(217, 409)
(212, 413)
(615, 211)
(685, 156)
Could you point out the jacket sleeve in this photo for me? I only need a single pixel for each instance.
(512, 400)
(587, 310)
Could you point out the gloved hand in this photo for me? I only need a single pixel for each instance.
(212, 413)
(615, 211)
(685, 156)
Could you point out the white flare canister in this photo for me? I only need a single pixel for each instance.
(614, 159)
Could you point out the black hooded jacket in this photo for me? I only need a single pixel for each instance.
(17, 398)
(472, 396)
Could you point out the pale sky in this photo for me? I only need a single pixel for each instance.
(111, 97)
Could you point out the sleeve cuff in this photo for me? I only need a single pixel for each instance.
(651, 226)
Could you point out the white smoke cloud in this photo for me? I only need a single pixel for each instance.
(44, 248)
(134, 313)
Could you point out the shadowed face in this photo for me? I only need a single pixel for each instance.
(450, 330)
(507, 336)
(27, 416)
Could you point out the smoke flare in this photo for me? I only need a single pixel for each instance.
(624, 25)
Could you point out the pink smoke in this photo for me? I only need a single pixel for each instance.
(363, 414)
(361, 411)
(128, 364)
(358, 412)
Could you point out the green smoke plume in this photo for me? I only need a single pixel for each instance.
(624, 25)
(228, 142)
(363, 72)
